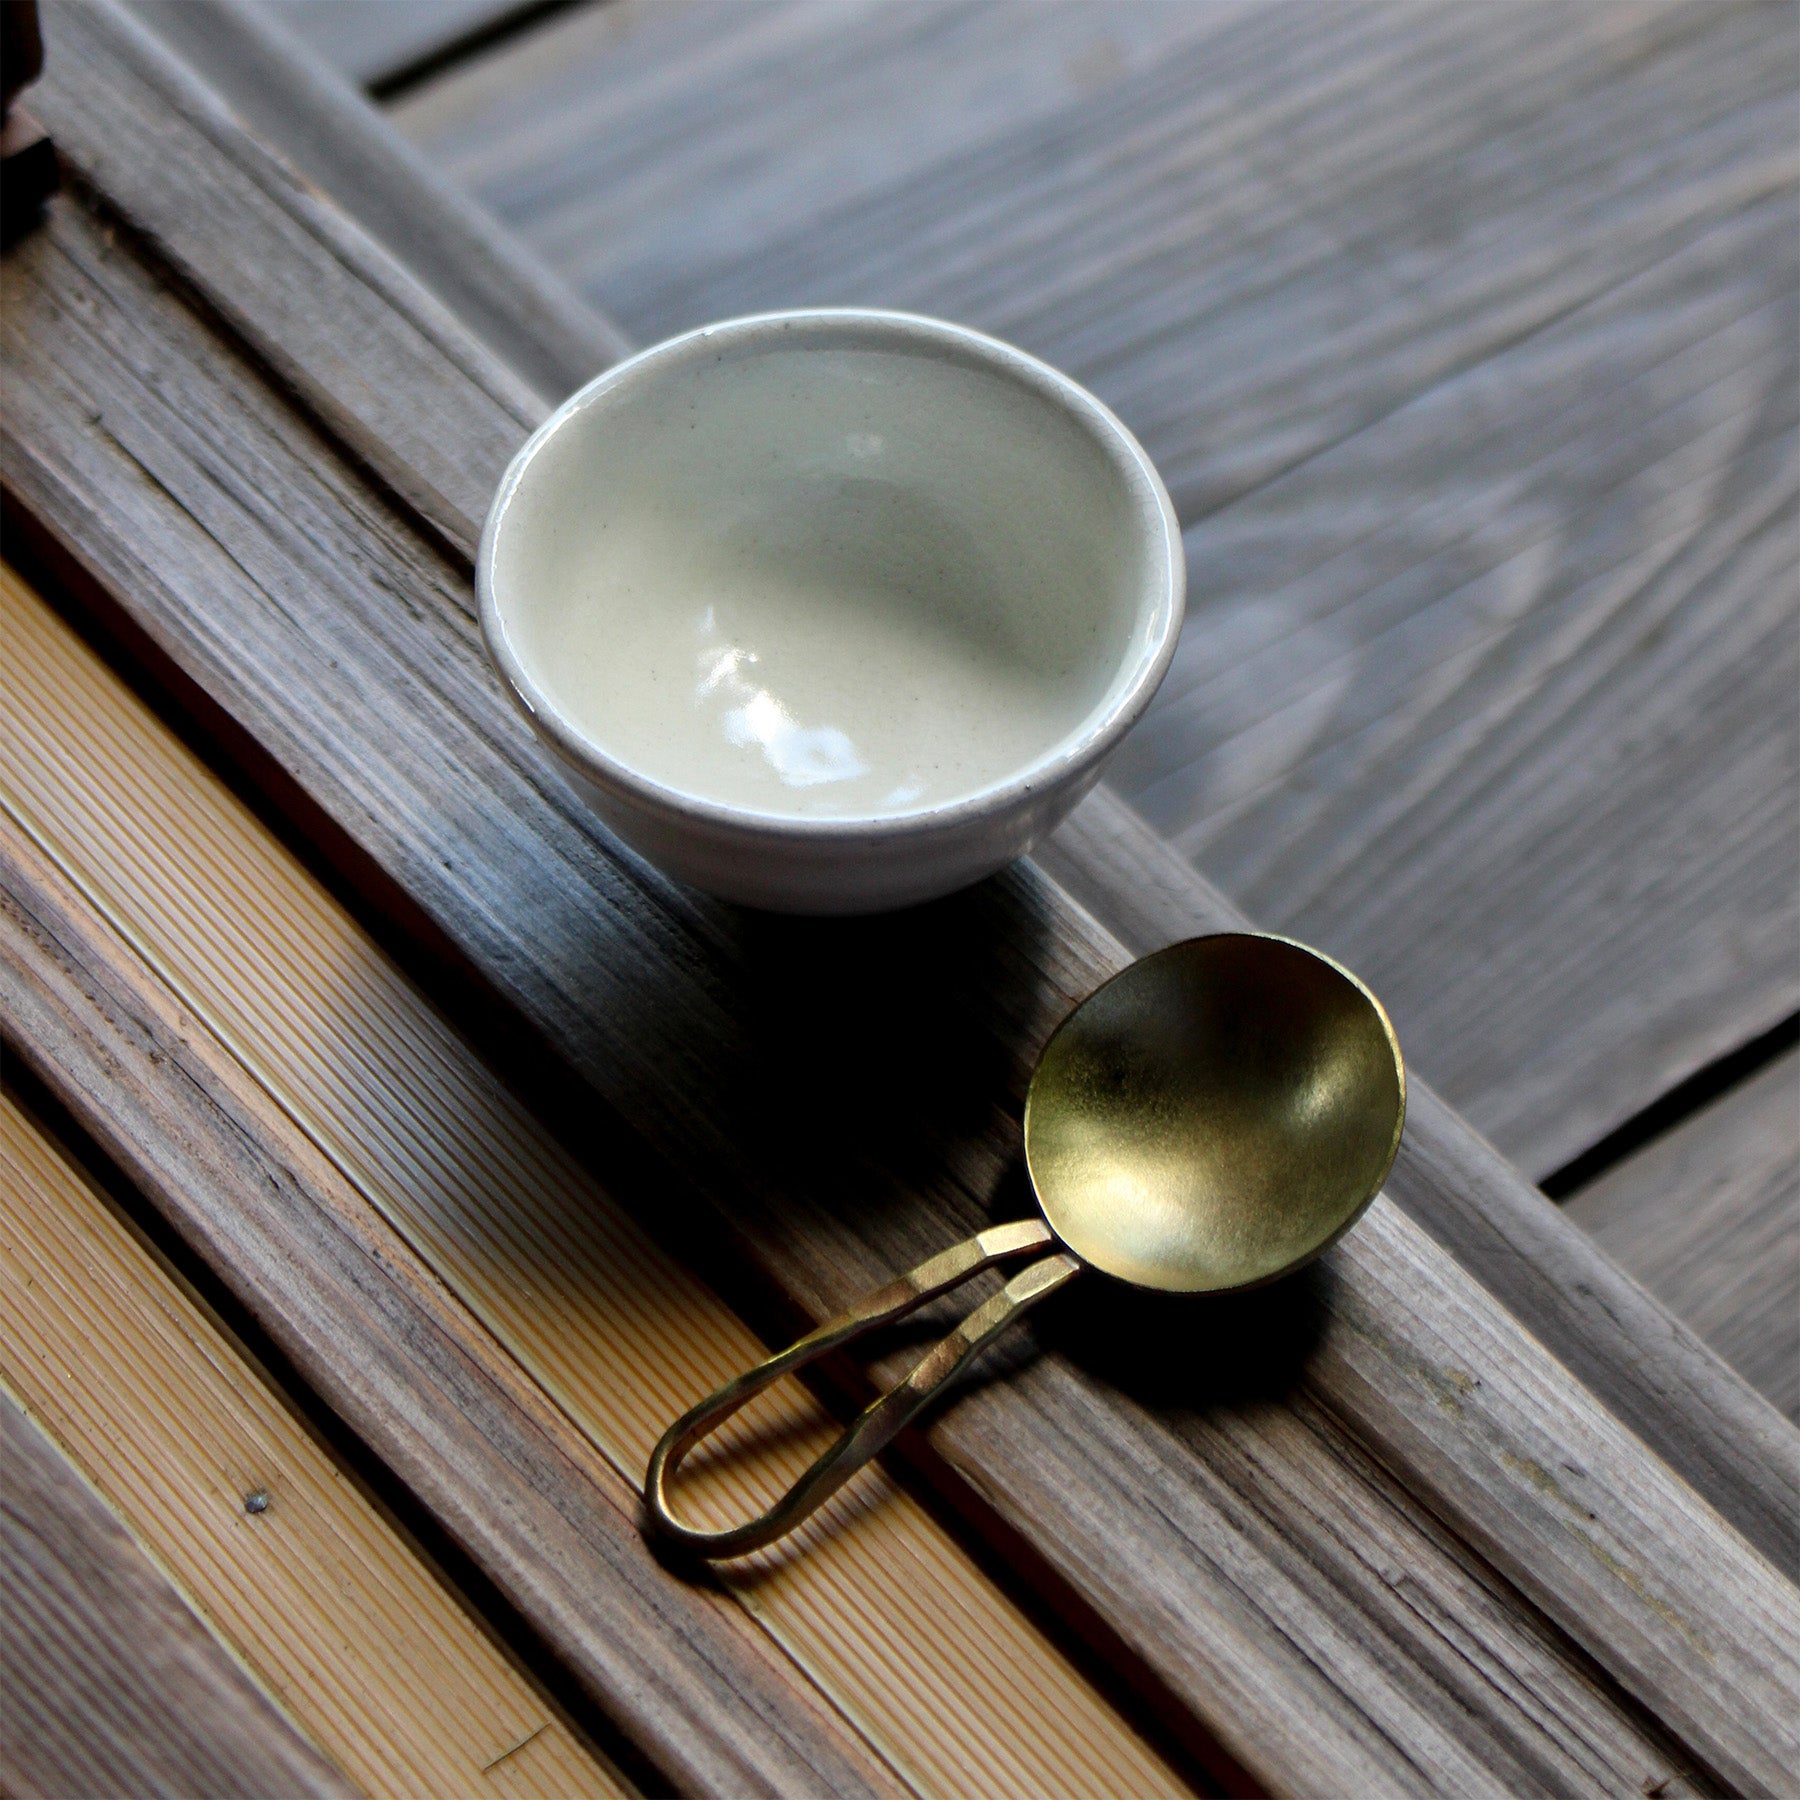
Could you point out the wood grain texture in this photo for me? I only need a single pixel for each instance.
(1252, 1544)
(317, 1592)
(1253, 229)
(691, 135)
(1651, 1369)
(216, 199)
(1465, 341)
(113, 1685)
(875, 1603)
(346, 149)
(1514, 735)
(399, 1360)
(1708, 1218)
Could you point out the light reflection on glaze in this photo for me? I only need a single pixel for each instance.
(802, 756)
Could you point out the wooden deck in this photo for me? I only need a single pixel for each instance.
(1467, 340)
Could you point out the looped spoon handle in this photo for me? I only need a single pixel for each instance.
(882, 1420)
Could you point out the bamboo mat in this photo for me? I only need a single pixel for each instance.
(879, 1607)
(318, 1593)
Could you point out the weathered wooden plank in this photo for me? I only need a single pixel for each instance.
(343, 1295)
(1448, 643)
(113, 1686)
(315, 1590)
(345, 148)
(1648, 1367)
(1512, 731)
(369, 41)
(1256, 230)
(217, 195)
(754, 119)
(722, 1039)
(876, 1604)
(1708, 1218)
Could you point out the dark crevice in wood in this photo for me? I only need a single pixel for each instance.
(415, 1522)
(1673, 1108)
(1110, 1663)
(513, 22)
(603, 1143)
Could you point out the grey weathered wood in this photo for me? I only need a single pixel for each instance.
(1505, 292)
(222, 196)
(1708, 1218)
(1495, 700)
(677, 1667)
(690, 134)
(1255, 229)
(369, 39)
(113, 1686)
(1648, 1367)
(1327, 1636)
(343, 146)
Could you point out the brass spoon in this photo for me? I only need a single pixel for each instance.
(1210, 1119)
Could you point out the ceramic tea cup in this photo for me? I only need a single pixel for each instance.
(831, 611)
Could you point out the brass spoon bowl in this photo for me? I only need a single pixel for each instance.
(1212, 1118)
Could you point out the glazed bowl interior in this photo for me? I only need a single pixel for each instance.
(835, 567)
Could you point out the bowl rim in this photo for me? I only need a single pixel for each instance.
(1064, 761)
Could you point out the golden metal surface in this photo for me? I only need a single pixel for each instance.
(877, 1424)
(1212, 1118)
(1216, 1115)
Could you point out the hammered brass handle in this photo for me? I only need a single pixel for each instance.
(882, 1420)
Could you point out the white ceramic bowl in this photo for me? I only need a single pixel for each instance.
(831, 611)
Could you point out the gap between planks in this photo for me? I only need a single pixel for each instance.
(955, 1687)
(1707, 1216)
(317, 1593)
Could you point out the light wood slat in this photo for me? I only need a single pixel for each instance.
(874, 1601)
(113, 1685)
(318, 1593)
(1276, 1628)
(1708, 1217)
(372, 1328)
(345, 148)
(1445, 642)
